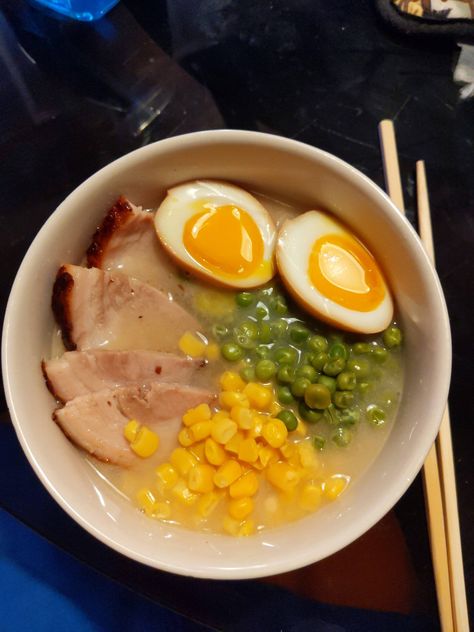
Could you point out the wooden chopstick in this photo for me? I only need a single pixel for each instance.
(431, 471)
(444, 443)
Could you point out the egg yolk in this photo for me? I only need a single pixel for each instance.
(224, 239)
(342, 270)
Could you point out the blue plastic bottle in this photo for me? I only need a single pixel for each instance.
(85, 10)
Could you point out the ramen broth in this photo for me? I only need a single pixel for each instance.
(210, 305)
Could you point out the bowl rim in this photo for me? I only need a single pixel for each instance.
(225, 136)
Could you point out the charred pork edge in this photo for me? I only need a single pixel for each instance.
(60, 303)
(116, 216)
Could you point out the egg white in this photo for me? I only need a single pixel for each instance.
(294, 245)
(179, 206)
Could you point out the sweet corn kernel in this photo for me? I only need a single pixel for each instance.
(167, 475)
(311, 497)
(194, 415)
(221, 414)
(231, 526)
(214, 303)
(242, 416)
(223, 430)
(246, 485)
(162, 509)
(212, 351)
(228, 399)
(248, 450)
(214, 452)
(185, 437)
(246, 528)
(275, 433)
(197, 450)
(240, 508)
(288, 449)
(334, 486)
(227, 473)
(301, 428)
(200, 430)
(307, 454)
(259, 396)
(275, 408)
(258, 422)
(182, 492)
(231, 381)
(145, 443)
(233, 444)
(146, 501)
(131, 429)
(182, 460)
(200, 478)
(267, 455)
(283, 476)
(191, 345)
(207, 503)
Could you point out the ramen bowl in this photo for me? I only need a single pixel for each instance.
(286, 170)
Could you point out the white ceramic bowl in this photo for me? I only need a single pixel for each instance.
(288, 170)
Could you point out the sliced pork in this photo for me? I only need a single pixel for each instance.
(126, 241)
(95, 422)
(78, 373)
(99, 309)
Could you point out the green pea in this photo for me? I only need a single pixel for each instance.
(265, 333)
(278, 328)
(286, 374)
(331, 415)
(392, 337)
(309, 415)
(299, 386)
(244, 299)
(359, 366)
(348, 416)
(329, 382)
(284, 395)
(317, 396)
(248, 328)
(380, 354)
(346, 381)
(219, 331)
(285, 355)
(376, 415)
(262, 351)
(244, 341)
(278, 305)
(361, 347)
(289, 419)
(334, 367)
(232, 352)
(307, 358)
(338, 350)
(265, 370)
(343, 399)
(261, 311)
(319, 442)
(319, 359)
(317, 344)
(342, 437)
(298, 332)
(307, 371)
(247, 373)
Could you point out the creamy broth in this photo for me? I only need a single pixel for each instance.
(210, 305)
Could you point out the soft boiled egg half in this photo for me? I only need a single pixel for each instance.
(332, 274)
(218, 231)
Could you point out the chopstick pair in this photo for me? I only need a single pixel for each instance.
(438, 470)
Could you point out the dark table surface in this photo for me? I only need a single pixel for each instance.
(75, 96)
